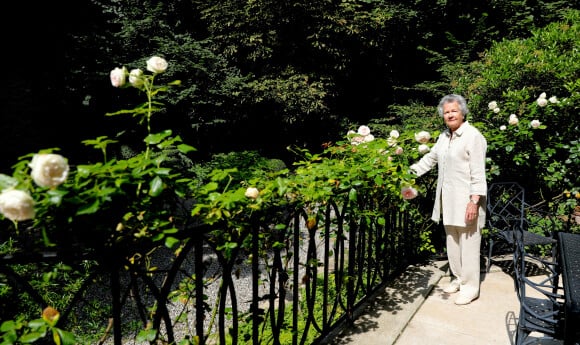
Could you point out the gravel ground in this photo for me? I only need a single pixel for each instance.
(241, 279)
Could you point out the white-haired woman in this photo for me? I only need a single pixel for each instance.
(459, 154)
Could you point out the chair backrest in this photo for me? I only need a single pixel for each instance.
(536, 280)
(541, 295)
(505, 206)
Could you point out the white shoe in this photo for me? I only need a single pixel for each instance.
(465, 299)
(452, 287)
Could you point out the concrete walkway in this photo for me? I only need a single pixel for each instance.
(415, 310)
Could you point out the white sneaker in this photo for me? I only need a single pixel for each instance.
(465, 299)
(452, 287)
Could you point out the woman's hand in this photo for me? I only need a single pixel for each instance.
(471, 212)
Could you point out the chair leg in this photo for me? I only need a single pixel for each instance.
(521, 334)
(520, 337)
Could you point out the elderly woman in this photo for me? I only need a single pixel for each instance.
(461, 191)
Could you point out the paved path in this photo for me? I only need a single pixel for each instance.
(415, 310)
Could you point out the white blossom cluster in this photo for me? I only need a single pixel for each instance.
(136, 76)
(363, 135)
(514, 120)
(48, 170)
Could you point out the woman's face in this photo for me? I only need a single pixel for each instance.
(452, 115)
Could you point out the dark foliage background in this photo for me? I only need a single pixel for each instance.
(258, 75)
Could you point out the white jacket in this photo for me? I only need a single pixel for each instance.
(461, 173)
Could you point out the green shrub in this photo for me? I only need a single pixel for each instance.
(517, 75)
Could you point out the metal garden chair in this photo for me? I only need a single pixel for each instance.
(541, 296)
(506, 212)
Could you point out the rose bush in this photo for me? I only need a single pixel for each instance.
(536, 80)
(121, 207)
(383, 160)
(129, 198)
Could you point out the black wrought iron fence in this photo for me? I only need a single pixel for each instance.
(294, 277)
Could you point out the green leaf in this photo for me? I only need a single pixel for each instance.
(153, 139)
(66, 337)
(352, 194)
(89, 209)
(7, 181)
(170, 241)
(171, 231)
(56, 338)
(146, 335)
(162, 171)
(10, 337)
(120, 112)
(209, 187)
(156, 186)
(184, 148)
(31, 337)
(35, 324)
(7, 326)
(85, 170)
(381, 221)
(56, 195)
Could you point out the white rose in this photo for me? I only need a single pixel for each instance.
(351, 132)
(394, 134)
(542, 95)
(48, 169)
(542, 102)
(136, 77)
(391, 141)
(156, 64)
(422, 137)
(496, 110)
(513, 115)
(364, 130)
(513, 120)
(399, 150)
(535, 123)
(16, 205)
(423, 149)
(492, 105)
(118, 76)
(357, 140)
(553, 99)
(368, 138)
(502, 128)
(252, 193)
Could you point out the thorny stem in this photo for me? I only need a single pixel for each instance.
(148, 85)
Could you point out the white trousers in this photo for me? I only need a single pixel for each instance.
(463, 253)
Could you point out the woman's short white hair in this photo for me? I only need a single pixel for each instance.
(454, 98)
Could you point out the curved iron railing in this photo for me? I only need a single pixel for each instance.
(295, 277)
